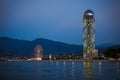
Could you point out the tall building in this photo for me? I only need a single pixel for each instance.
(38, 52)
(89, 35)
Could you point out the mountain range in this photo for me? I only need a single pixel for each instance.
(15, 47)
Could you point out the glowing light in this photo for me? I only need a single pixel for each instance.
(38, 52)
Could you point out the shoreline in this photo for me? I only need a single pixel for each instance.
(67, 61)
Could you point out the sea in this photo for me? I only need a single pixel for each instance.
(60, 70)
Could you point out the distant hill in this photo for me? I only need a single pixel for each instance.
(105, 45)
(14, 47)
(102, 47)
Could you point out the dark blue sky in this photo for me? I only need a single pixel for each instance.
(59, 20)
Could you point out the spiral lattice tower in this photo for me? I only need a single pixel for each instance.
(89, 35)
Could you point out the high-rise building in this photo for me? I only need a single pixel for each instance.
(89, 35)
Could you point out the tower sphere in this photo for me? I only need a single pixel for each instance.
(88, 15)
(89, 12)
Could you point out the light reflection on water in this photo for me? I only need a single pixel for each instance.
(64, 68)
(100, 63)
(118, 67)
(73, 71)
(88, 70)
(60, 70)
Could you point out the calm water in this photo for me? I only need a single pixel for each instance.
(59, 71)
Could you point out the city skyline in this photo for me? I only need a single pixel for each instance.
(59, 20)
